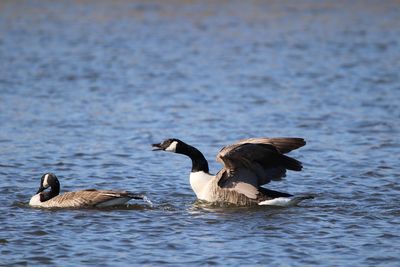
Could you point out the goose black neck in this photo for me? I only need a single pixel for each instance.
(199, 162)
(54, 191)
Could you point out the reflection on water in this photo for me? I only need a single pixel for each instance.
(86, 87)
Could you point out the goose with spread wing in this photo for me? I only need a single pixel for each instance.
(248, 164)
(90, 198)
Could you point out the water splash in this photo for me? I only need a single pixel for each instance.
(148, 201)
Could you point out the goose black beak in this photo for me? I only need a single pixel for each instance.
(157, 147)
(41, 189)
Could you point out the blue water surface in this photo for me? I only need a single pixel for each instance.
(87, 86)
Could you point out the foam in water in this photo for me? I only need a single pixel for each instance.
(148, 201)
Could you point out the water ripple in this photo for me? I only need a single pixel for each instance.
(87, 101)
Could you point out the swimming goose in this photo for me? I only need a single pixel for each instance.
(79, 199)
(248, 164)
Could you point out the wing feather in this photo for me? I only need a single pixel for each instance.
(85, 198)
(283, 144)
(251, 163)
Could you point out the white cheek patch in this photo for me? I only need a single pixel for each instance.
(172, 147)
(45, 182)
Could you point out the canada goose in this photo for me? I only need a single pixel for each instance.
(248, 164)
(79, 199)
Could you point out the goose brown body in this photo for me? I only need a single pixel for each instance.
(79, 199)
(247, 165)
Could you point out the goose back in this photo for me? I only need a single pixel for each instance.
(87, 198)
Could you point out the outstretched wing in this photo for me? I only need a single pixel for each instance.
(253, 162)
(283, 144)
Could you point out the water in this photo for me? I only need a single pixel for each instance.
(87, 86)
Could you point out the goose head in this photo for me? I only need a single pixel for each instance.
(199, 162)
(171, 145)
(48, 180)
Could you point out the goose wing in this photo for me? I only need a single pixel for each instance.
(283, 144)
(251, 163)
(86, 198)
